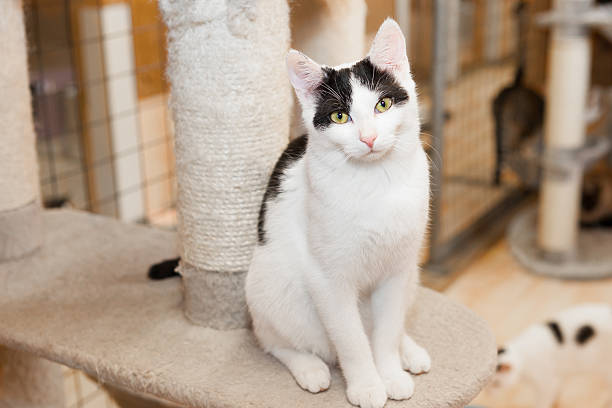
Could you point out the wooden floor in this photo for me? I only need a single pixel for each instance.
(498, 289)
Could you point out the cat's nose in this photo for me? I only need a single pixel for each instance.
(369, 140)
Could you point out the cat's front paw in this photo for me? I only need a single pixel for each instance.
(367, 394)
(414, 357)
(399, 385)
(313, 377)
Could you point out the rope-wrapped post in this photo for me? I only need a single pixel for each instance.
(26, 381)
(20, 218)
(231, 102)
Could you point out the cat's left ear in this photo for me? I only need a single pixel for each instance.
(388, 50)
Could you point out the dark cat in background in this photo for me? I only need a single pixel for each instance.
(596, 205)
(518, 110)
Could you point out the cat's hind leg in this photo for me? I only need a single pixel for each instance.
(414, 357)
(309, 371)
(547, 392)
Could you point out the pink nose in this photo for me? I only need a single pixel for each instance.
(368, 140)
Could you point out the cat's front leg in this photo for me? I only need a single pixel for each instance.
(389, 302)
(337, 306)
(414, 357)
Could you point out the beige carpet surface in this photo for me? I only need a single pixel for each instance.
(84, 300)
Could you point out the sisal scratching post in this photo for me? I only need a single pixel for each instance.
(231, 102)
(19, 208)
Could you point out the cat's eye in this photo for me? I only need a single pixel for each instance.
(384, 104)
(339, 117)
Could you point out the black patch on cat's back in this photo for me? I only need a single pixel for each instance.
(584, 334)
(556, 331)
(294, 151)
(380, 81)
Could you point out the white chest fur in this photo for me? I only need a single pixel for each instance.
(369, 221)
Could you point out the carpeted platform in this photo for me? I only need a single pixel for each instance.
(84, 300)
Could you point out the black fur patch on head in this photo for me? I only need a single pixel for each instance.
(501, 351)
(380, 81)
(556, 331)
(584, 334)
(294, 151)
(334, 94)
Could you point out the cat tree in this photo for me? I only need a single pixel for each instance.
(551, 242)
(83, 299)
(25, 380)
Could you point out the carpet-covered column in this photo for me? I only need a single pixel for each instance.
(564, 134)
(19, 205)
(231, 104)
(25, 380)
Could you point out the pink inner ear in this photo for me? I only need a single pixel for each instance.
(389, 47)
(304, 73)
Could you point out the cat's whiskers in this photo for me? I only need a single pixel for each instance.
(426, 145)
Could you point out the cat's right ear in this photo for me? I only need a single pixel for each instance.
(304, 74)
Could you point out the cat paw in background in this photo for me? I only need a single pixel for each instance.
(577, 341)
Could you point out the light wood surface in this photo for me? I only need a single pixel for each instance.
(509, 298)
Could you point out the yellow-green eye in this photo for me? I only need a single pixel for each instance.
(339, 117)
(384, 104)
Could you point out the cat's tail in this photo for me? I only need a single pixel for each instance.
(518, 76)
(165, 269)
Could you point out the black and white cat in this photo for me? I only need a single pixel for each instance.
(577, 340)
(341, 228)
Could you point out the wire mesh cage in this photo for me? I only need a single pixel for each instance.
(486, 71)
(104, 133)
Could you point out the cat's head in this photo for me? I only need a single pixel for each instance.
(364, 109)
(508, 368)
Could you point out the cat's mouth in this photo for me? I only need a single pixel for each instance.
(374, 154)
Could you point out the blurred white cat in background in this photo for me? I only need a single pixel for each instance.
(576, 341)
